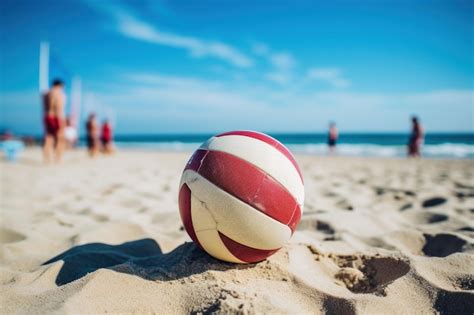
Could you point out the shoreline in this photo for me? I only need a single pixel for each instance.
(128, 150)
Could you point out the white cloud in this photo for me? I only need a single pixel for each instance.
(130, 26)
(282, 60)
(332, 76)
(280, 77)
(279, 60)
(282, 63)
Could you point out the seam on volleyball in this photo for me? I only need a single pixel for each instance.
(256, 193)
(204, 205)
(182, 182)
(202, 160)
(292, 215)
(262, 170)
(232, 196)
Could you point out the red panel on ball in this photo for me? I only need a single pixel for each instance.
(245, 253)
(195, 161)
(269, 140)
(250, 184)
(185, 212)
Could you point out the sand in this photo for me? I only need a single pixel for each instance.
(96, 236)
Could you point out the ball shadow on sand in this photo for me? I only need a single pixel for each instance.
(142, 258)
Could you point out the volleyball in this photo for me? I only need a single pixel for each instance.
(241, 196)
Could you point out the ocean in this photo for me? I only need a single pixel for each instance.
(436, 145)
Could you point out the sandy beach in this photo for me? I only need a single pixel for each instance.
(94, 236)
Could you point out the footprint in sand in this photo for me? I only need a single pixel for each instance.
(426, 217)
(448, 302)
(365, 274)
(442, 245)
(313, 224)
(433, 202)
(9, 236)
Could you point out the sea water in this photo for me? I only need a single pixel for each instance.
(438, 145)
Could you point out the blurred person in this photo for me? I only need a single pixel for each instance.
(106, 137)
(416, 138)
(333, 135)
(6, 135)
(92, 135)
(70, 134)
(11, 146)
(53, 119)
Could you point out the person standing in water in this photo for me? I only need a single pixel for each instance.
(53, 120)
(416, 138)
(92, 136)
(333, 135)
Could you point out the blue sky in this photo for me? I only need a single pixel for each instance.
(192, 66)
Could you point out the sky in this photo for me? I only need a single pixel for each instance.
(275, 66)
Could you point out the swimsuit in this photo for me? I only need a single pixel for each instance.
(51, 124)
(106, 135)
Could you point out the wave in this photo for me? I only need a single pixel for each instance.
(444, 150)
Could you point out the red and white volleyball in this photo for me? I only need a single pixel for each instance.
(241, 196)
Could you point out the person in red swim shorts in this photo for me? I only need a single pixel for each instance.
(53, 120)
